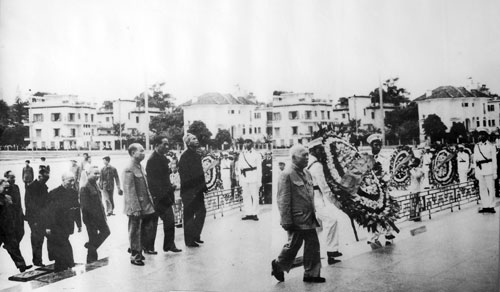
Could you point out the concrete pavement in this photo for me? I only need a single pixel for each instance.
(458, 252)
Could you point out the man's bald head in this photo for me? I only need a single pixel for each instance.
(299, 155)
(68, 179)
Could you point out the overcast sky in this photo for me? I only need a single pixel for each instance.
(110, 49)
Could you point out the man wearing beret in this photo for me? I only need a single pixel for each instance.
(486, 171)
(193, 188)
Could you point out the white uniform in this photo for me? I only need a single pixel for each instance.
(326, 211)
(463, 164)
(225, 173)
(250, 181)
(487, 174)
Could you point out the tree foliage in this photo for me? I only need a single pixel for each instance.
(434, 127)
(156, 97)
(12, 118)
(457, 131)
(222, 136)
(390, 93)
(403, 124)
(170, 125)
(200, 130)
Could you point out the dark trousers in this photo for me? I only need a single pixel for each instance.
(37, 237)
(98, 231)
(60, 250)
(312, 258)
(149, 238)
(148, 232)
(194, 219)
(12, 246)
(267, 193)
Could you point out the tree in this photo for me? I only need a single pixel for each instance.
(116, 128)
(434, 127)
(156, 97)
(199, 129)
(107, 105)
(222, 136)
(403, 124)
(390, 93)
(14, 135)
(457, 131)
(169, 124)
(19, 112)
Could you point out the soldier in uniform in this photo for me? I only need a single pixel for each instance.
(28, 174)
(463, 161)
(486, 171)
(324, 202)
(249, 164)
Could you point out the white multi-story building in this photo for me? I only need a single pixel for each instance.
(296, 116)
(242, 116)
(61, 122)
(474, 108)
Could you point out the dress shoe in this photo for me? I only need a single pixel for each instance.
(279, 275)
(333, 254)
(388, 243)
(314, 279)
(255, 218)
(24, 268)
(248, 217)
(332, 261)
(147, 251)
(137, 262)
(193, 244)
(491, 210)
(390, 236)
(483, 210)
(199, 241)
(39, 265)
(175, 249)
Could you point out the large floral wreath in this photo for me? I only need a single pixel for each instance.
(399, 167)
(355, 181)
(443, 167)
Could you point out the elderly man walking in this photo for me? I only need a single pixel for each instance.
(296, 207)
(63, 211)
(138, 203)
(486, 171)
(193, 188)
(93, 214)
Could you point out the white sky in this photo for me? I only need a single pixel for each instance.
(108, 49)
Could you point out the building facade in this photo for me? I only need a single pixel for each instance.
(472, 107)
(296, 116)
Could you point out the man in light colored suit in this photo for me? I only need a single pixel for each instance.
(485, 159)
(296, 207)
(138, 202)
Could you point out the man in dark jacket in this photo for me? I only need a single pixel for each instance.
(35, 201)
(28, 174)
(93, 215)
(162, 191)
(109, 176)
(15, 194)
(8, 223)
(63, 211)
(193, 187)
(267, 178)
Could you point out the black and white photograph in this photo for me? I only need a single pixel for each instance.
(249, 145)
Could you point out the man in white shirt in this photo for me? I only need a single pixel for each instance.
(485, 160)
(249, 166)
(225, 171)
(463, 164)
(326, 211)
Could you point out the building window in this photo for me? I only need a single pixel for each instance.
(79, 117)
(73, 132)
(269, 116)
(109, 132)
(52, 145)
(315, 114)
(465, 104)
(343, 116)
(56, 132)
(308, 115)
(86, 118)
(92, 132)
(39, 133)
(373, 115)
(491, 107)
(310, 130)
(55, 117)
(243, 131)
(472, 104)
(328, 114)
(277, 132)
(322, 115)
(107, 119)
(295, 130)
(364, 112)
(484, 123)
(91, 118)
(71, 117)
(478, 124)
(294, 115)
(493, 123)
(250, 130)
(256, 116)
(277, 116)
(38, 118)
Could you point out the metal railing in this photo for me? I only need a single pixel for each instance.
(216, 202)
(428, 202)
